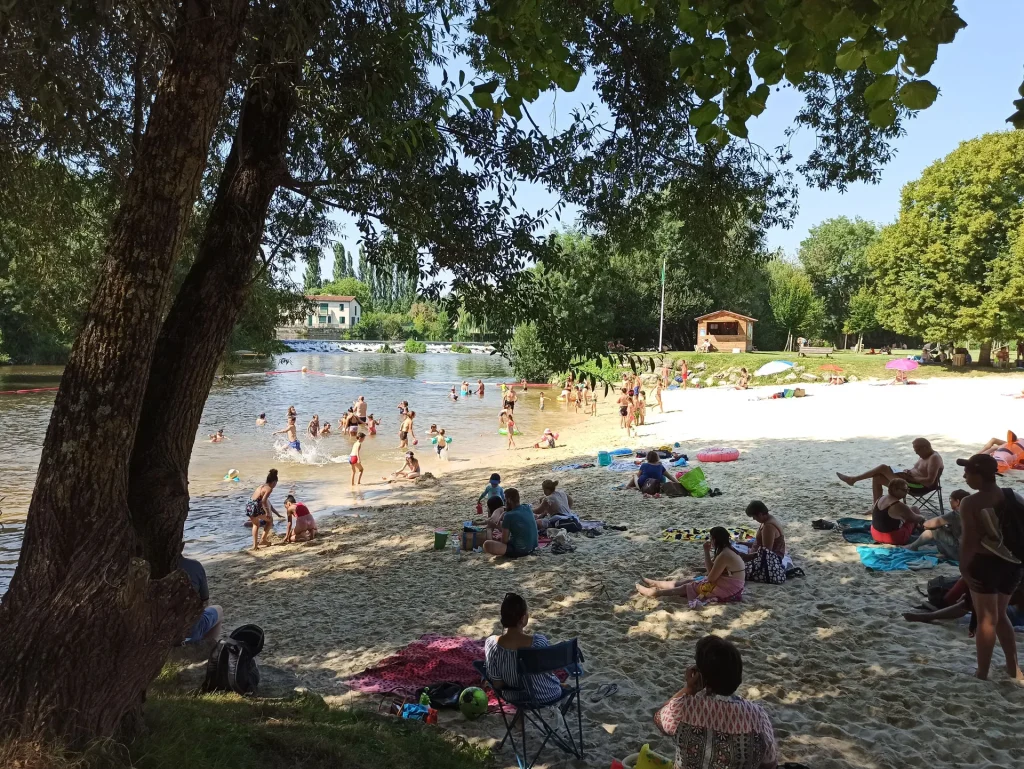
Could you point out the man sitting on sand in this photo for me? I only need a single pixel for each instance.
(518, 529)
(208, 623)
(925, 472)
(301, 524)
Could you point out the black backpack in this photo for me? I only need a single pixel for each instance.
(1011, 522)
(232, 665)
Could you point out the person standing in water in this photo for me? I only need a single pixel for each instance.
(260, 512)
(361, 407)
(355, 461)
(542, 401)
(261, 419)
(313, 428)
(406, 430)
(510, 425)
(480, 387)
(292, 434)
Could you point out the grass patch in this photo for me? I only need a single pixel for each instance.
(187, 731)
(461, 348)
(861, 365)
(413, 345)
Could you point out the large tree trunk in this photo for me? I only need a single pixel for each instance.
(84, 628)
(204, 314)
(985, 354)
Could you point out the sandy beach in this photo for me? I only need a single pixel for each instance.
(847, 682)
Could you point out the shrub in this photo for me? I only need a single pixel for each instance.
(411, 345)
(526, 354)
(461, 348)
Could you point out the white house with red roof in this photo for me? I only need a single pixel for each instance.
(329, 311)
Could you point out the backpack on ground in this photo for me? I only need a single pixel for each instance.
(937, 589)
(1011, 522)
(232, 665)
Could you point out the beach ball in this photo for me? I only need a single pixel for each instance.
(415, 441)
(473, 702)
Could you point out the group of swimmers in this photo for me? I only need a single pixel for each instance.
(464, 390)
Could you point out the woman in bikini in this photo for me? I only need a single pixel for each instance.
(410, 470)
(764, 561)
(724, 581)
(260, 512)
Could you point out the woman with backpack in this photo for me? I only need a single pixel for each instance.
(991, 550)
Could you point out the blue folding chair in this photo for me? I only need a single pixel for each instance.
(529, 707)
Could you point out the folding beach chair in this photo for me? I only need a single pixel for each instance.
(927, 497)
(553, 725)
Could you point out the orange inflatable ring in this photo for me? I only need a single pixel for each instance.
(718, 455)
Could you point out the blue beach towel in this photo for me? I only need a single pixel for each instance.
(894, 559)
(623, 467)
(563, 468)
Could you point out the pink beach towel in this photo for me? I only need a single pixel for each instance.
(432, 659)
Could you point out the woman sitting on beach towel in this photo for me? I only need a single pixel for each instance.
(650, 476)
(724, 581)
(712, 727)
(892, 520)
(764, 560)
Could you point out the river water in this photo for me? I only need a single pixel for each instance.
(320, 475)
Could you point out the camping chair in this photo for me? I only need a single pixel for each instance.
(564, 656)
(927, 497)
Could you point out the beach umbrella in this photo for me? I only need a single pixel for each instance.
(775, 367)
(902, 364)
(831, 367)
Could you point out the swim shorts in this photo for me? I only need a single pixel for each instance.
(353, 460)
(623, 411)
(987, 574)
(295, 445)
(253, 508)
(402, 435)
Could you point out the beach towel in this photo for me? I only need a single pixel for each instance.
(856, 531)
(738, 534)
(577, 466)
(431, 659)
(858, 537)
(622, 466)
(894, 559)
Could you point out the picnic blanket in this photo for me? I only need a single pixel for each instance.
(738, 534)
(623, 466)
(576, 466)
(894, 559)
(431, 659)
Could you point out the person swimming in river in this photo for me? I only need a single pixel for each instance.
(325, 431)
(371, 424)
(454, 396)
(261, 419)
(218, 437)
(292, 412)
(313, 428)
(433, 431)
(291, 433)
(410, 471)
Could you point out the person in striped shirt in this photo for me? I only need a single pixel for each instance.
(500, 655)
(713, 728)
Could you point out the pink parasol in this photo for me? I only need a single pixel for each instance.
(902, 364)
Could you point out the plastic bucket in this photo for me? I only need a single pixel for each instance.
(603, 459)
(440, 539)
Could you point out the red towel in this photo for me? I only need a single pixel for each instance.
(433, 659)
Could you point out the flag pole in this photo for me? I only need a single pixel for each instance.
(661, 324)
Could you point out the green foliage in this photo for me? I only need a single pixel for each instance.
(527, 355)
(311, 279)
(350, 286)
(862, 313)
(342, 264)
(461, 348)
(792, 299)
(948, 268)
(834, 256)
(382, 325)
(411, 345)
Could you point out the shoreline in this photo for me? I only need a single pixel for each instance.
(828, 655)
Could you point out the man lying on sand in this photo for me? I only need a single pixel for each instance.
(925, 472)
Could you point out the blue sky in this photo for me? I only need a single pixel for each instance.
(978, 75)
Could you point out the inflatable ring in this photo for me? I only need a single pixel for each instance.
(718, 455)
(504, 431)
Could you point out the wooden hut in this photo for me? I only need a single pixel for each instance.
(725, 331)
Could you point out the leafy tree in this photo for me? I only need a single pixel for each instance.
(834, 256)
(342, 264)
(941, 269)
(350, 287)
(862, 315)
(791, 298)
(528, 356)
(312, 280)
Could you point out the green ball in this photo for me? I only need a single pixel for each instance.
(473, 702)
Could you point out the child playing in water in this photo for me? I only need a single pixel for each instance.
(261, 419)
(300, 521)
(371, 425)
(433, 431)
(354, 460)
(453, 395)
(314, 426)
(442, 445)
(510, 425)
(291, 433)
(542, 401)
(218, 437)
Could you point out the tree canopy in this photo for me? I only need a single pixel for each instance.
(948, 269)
